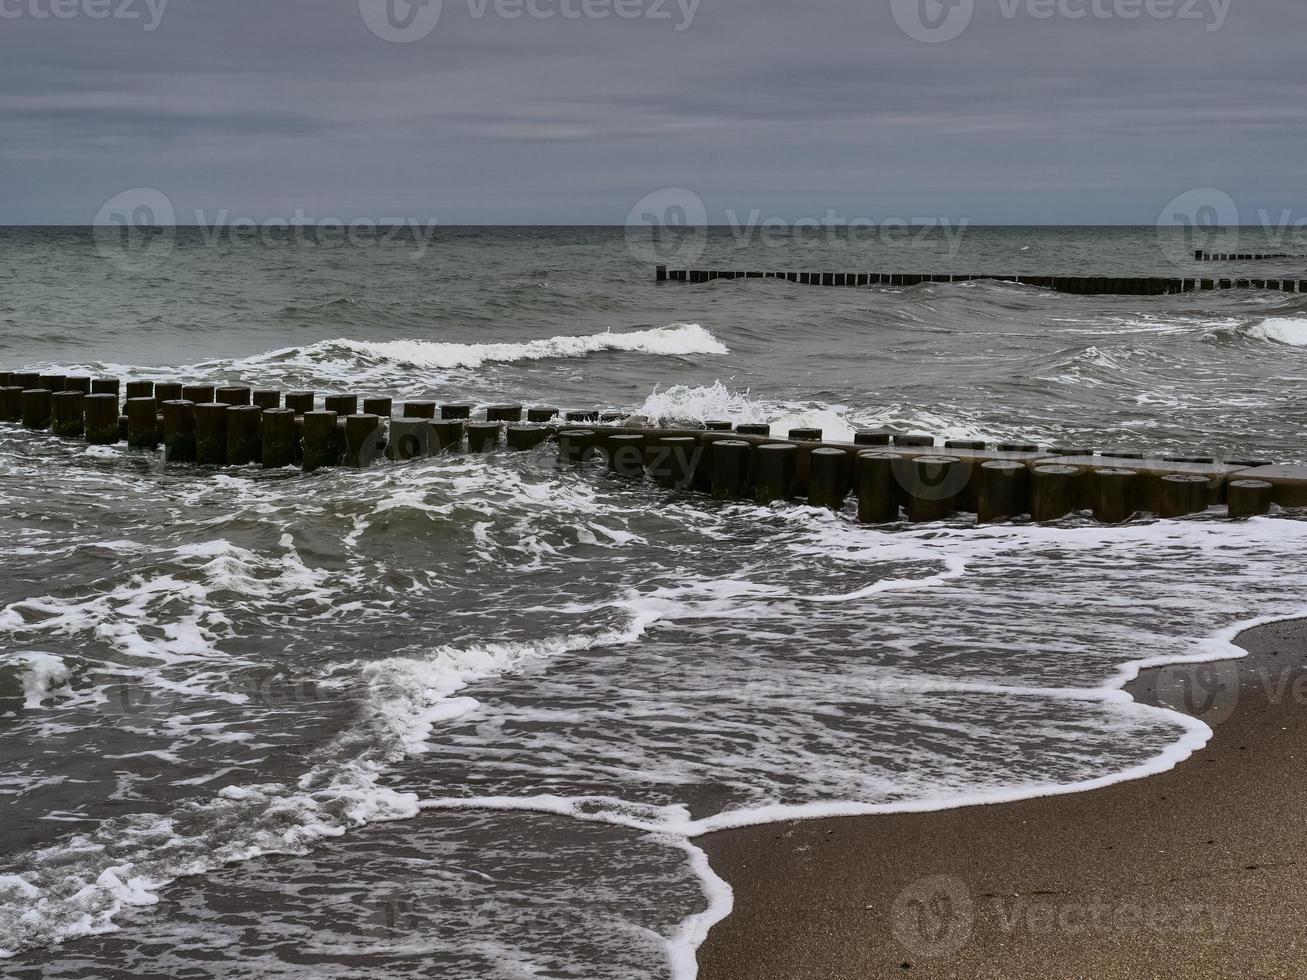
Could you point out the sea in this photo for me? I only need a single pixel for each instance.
(470, 716)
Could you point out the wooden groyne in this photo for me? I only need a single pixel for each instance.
(890, 476)
(1082, 285)
(1201, 256)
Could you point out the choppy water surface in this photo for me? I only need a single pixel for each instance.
(465, 717)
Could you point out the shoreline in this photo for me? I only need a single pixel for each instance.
(1187, 872)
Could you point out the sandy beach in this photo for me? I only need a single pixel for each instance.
(1191, 873)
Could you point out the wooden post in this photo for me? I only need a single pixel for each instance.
(67, 412)
(1248, 498)
(211, 433)
(483, 437)
(1114, 495)
(243, 424)
(101, 413)
(930, 486)
(777, 464)
(278, 437)
(321, 442)
(419, 410)
(143, 423)
(179, 431)
(1004, 491)
(410, 438)
(731, 469)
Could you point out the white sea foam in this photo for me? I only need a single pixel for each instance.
(42, 675)
(701, 403)
(1281, 330)
(345, 357)
(693, 404)
(409, 696)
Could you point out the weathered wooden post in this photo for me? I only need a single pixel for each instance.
(777, 464)
(243, 424)
(419, 410)
(343, 405)
(101, 413)
(523, 436)
(67, 414)
(930, 485)
(673, 461)
(278, 437)
(1114, 495)
(300, 402)
(626, 455)
(1248, 498)
(179, 431)
(321, 442)
(143, 423)
(1181, 494)
(1055, 491)
(483, 437)
(1004, 491)
(37, 408)
(828, 478)
(362, 440)
(732, 469)
(410, 438)
(211, 433)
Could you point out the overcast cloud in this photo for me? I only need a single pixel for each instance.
(269, 107)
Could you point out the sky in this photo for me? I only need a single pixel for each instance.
(577, 111)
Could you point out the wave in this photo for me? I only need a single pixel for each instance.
(390, 364)
(1281, 330)
(128, 861)
(347, 356)
(695, 404)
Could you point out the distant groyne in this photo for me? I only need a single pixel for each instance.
(890, 476)
(1083, 285)
(1201, 256)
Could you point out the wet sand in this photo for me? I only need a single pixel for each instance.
(1197, 872)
